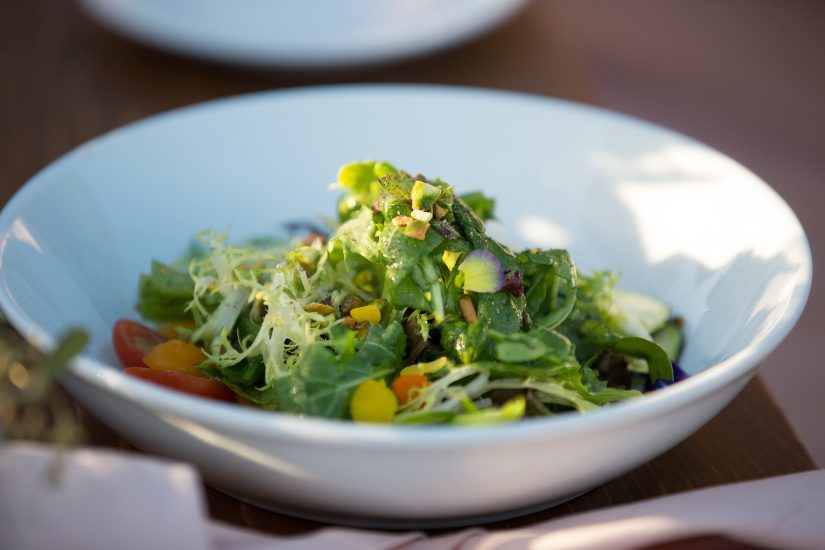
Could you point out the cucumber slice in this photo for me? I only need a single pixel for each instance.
(639, 312)
(670, 339)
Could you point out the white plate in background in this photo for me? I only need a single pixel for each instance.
(301, 33)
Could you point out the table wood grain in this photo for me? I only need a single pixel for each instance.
(63, 80)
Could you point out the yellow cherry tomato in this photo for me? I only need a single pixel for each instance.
(406, 384)
(369, 313)
(175, 355)
(373, 402)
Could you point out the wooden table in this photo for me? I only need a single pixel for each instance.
(63, 80)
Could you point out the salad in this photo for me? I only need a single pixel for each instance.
(407, 311)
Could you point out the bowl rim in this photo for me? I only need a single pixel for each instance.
(270, 424)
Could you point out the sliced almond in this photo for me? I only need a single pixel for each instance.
(312, 237)
(468, 310)
(417, 229)
(315, 307)
(422, 215)
(401, 221)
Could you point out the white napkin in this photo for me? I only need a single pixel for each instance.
(109, 499)
(104, 500)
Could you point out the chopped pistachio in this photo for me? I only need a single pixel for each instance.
(450, 258)
(401, 221)
(468, 310)
(362, 329)
(439, 211)
(310, 239)
(417, 229)
(424, 195)
(315, 307)
(422, 215)
(349, 303)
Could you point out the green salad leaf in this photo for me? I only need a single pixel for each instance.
(164, 292)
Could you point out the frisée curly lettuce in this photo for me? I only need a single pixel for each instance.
(406, 312)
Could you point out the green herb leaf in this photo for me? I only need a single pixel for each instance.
(165, 293)
(358, 235)
(670, 339)
(473, 228)
(399, 185)
(361, 180)
(401, 254)
(424, 417)
(482, 205)
(549, 275)
(69, 346)
(657, 362)
(511, 411)
(523, 347)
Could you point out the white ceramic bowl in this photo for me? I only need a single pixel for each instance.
(681, 221)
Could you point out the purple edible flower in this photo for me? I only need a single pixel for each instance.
(482, 272)
(445, 229)
(678, 375)
(514, 284)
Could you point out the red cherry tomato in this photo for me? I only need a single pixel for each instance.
(132, 341)
(194, 385)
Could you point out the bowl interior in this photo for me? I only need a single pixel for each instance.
(679, 220)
